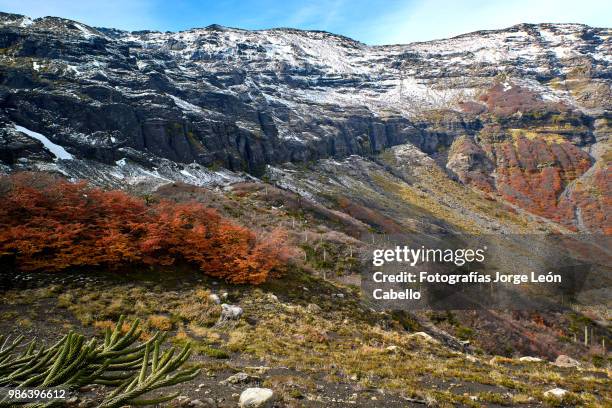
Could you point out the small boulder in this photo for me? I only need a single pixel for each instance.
(257, 369)
(204, 403)
(255, 397)
(237, 378)
(228, 313)
(183, 401)
(556, 392)
(424, 336)
(471, 358)
(312, 308)
(566, 361)
(529, 359)
(231, 311)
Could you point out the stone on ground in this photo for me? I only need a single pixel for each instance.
(566, 361)
(255, 397)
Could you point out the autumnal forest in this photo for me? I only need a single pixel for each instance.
(50, 224)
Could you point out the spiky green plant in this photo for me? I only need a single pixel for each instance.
(134, 369)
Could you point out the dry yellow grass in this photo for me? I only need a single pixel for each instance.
(181, 334)
(344, 347)
(549, 138)
(160, 322)
(102, 325)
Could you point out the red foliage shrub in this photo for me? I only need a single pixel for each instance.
(506, 101)
(533, 174)
(591, 198)
(50, 224)
(369, 216)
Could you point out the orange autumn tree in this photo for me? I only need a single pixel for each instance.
(50, 224)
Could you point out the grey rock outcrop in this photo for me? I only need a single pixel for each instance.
(566, 361)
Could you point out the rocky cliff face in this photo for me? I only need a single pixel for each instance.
(521, 113)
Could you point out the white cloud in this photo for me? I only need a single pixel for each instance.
(125, 14)
(427, 20)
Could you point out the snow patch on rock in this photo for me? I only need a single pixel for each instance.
(58, 151)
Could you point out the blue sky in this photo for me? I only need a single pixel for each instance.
(373, 22)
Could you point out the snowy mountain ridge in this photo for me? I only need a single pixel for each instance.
(388, 77)
(533, 96)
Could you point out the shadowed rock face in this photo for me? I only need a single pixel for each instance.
(471, 164)
(523, 108)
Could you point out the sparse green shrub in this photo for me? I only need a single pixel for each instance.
(134, 370)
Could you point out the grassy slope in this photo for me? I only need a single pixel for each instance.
(336, 344)
(321, 348)
(336, 349)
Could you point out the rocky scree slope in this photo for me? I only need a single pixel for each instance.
(522, 114)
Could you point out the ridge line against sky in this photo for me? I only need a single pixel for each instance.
(371, 22)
